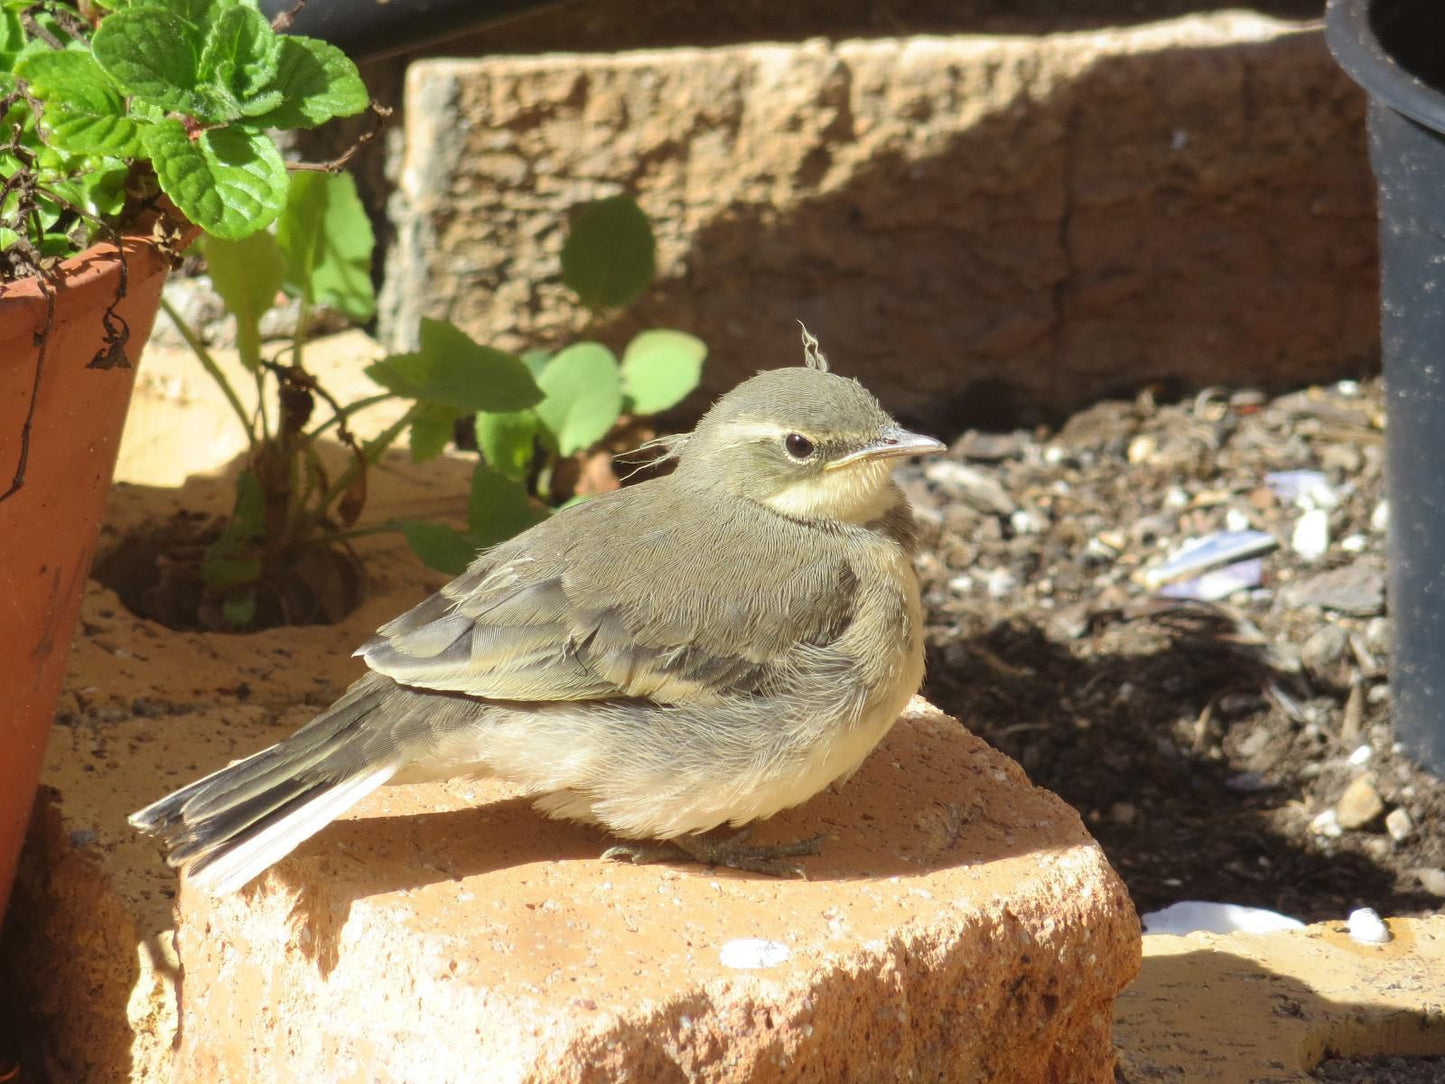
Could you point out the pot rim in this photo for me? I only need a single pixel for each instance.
(87, 275)
(1359, 52)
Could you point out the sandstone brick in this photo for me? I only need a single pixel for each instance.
(970, 224)
(961, 924)
(1227, 1008)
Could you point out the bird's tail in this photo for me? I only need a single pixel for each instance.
(233, 824)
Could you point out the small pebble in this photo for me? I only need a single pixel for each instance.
(1311, 537)
(972, 486)
(1327, 824)
(1000, 582)
(1357, 589)
(1367, 928)
(1380, 517)
(1361, 756)
(1398, 824)
(1322, 651)
(1359, 804)
(1432, 880)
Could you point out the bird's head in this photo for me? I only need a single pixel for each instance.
(804, 442)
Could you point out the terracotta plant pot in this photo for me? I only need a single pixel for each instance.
(72, 393)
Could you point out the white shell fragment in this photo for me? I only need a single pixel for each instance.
(1200, 555)
(1367, 928)
(1190, 916)
(753, 953)
(1303, 488)
(1311, 538)
(1218, 583)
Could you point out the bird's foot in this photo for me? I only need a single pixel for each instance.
(733, 851)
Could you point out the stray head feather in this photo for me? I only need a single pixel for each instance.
(811, 354)
(667, 447)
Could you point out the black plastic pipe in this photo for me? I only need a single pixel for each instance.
(372, 29)
(1395, 49)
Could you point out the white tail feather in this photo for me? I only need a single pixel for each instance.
(252, 856)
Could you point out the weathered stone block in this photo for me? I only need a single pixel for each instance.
(1269, 1007)
(959, 925)
(970, 224)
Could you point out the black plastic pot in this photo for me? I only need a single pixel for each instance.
(1395, 49)
(371, 29)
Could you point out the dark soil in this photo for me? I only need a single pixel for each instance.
(1382, 1069)
(158, 575)
(1201, 741)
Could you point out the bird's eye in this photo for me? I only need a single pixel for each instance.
(798, 446)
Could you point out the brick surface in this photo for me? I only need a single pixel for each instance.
(960, 923)
(1270, 1007)
(970, 224)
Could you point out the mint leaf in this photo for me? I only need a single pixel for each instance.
(151, 54)
(229, 181)
(454, 371)
(660, 367)
(439, 546)
(326, 237)
(499, 507)
(247, 274)
(84, 110)
(609, 257)
(317, 81)
(240, 54)
(584, 396)
(507, 441)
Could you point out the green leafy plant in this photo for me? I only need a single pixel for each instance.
(109, 107)
(529, 413)
(578, 394)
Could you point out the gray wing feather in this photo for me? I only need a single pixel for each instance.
(546, 618)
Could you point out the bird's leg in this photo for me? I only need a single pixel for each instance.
(731, 850)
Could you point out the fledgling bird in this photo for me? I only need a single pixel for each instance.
(698, 650)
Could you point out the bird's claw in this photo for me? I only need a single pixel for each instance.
(732, 851)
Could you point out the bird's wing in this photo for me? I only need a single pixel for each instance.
(544, 617)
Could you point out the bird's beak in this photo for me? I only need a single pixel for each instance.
(893, 442)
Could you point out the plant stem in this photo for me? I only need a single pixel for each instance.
(346, 412)
(371, 452)
(209, 364)
(387, 527)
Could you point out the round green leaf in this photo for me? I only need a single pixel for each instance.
(229, 181)
(499, 507)
(583, 392)
(507, 441)
(439, 546)
(247, 274)
(660, 367)
(84, 110)
(431, 431)
(317, 81)
(453, 370)
(152, 54)
(239, 55)
(609, 256)
(326, 237)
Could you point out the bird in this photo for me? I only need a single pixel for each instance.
(675, 661)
